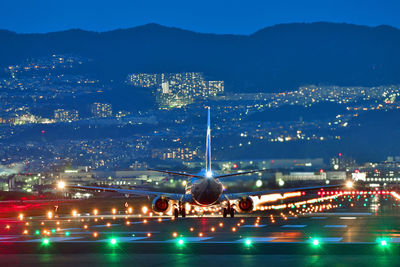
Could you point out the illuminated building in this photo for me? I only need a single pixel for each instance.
(101, 110)
(174, 90)
(262, 164)
(175, 153)
(65, 115)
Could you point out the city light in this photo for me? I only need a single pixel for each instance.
(349, 184)
(61, 185)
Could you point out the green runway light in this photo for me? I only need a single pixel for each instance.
(180, 241)
(384, 243)
(53, 230)
(315, 242)
(67, 233)
(248, 242)
(46, 241)
(37, 232)
(113, 241)
(133, 234)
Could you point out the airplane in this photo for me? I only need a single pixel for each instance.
(204, 189)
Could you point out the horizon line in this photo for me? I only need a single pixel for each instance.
(199, 32)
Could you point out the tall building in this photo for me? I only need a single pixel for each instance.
(65, 115)
(165, 88)
(101, 110)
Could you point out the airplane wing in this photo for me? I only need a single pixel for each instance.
(177, 173)
(128, 191)
(234, 196)
(237, 174)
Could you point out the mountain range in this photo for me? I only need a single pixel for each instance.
(281, 57)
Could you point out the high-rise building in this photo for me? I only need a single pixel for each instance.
(101, 110)
(165, 88)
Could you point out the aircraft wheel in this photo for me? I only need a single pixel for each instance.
(232, 212)
(183, 212)
(176, 213)
(225, 212)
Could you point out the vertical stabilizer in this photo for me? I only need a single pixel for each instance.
(208, 146)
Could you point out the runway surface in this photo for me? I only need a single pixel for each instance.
(366, 226)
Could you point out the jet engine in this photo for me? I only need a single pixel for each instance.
(246, 204)
(161, 204)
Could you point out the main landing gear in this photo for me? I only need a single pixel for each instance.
(180, 211)
(228, 210)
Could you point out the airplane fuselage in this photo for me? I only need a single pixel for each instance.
(206, 191)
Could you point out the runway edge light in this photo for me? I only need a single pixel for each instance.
(315, 242)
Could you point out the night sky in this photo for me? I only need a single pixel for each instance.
(214, 16)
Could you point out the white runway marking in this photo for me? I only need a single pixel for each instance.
(348, 218)
(342, 214)
(336, 226)
(7, 237)
(257, 239)
(330, 239)
(54, 239)
(121, 239)
(190, 239)
(395, 239)
(253, 226)
(113, 232)
(294, 225)
(104, 225)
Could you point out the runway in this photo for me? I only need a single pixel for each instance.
(356, 227)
